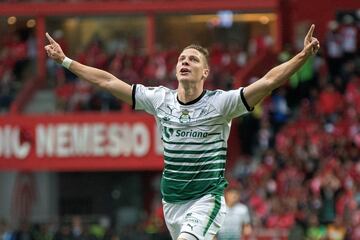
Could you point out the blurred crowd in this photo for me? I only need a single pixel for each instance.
(124, 58)
(300, 164)
(81, 228)
(17, 57)
(301, 171)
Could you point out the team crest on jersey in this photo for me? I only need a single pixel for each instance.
(184, 117)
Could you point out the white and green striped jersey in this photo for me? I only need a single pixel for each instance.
(194, 136)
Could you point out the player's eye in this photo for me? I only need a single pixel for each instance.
(194, 59)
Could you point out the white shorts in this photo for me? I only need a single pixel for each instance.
(201, 218)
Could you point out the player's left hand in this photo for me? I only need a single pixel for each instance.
(311, 44)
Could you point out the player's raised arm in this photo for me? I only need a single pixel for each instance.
(95, 76)
(277, 76)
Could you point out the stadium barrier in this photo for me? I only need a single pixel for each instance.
(80, 142)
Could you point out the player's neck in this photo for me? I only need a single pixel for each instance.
(230, 205)
(189, 93)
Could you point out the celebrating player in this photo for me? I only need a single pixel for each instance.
(194, 125)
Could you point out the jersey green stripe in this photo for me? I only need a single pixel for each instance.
(179, 176)
(195, 160)
(197, 164)
(166, 150)
(192, 172)
(191, 189)
(207, 166)
(192, 180)
(193, 143)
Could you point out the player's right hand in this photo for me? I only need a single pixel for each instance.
(54, 50)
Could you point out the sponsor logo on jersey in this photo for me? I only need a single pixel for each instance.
(191, 134)
(169, 132)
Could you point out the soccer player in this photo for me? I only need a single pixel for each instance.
(194, 125)
(237, 221)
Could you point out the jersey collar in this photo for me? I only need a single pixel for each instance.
(193, 101)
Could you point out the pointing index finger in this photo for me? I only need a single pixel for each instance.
(51, 40)
(310, 32)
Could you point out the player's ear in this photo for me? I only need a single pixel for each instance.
(206, 73)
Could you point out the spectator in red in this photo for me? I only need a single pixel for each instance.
(330, 101)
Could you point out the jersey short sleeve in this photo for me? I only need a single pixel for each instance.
(232, 103)
(147, 98)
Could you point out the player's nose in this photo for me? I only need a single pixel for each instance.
(185, 62)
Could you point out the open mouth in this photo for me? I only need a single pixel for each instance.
(184, 71)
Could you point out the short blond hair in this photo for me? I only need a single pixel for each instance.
(202, 50)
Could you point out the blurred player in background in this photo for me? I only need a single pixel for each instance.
(237, 221)
(194, 125)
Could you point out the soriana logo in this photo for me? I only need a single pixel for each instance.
(77, 138)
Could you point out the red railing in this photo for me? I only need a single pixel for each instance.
(25, 94)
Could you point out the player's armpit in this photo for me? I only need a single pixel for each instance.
(256, 91)
(119, 89)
